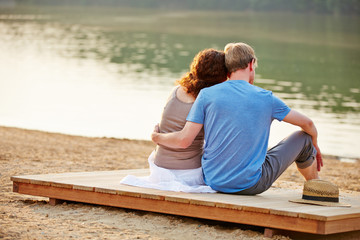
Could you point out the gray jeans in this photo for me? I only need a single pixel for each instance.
(297, 147)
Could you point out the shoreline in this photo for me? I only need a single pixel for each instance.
(26, 152)
(327, 156)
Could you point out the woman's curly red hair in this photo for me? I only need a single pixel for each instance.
(207, 69)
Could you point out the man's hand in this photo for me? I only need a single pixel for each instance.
(155, 133)
(157, 128)
(319, 160)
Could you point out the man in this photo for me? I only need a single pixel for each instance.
(236, 116)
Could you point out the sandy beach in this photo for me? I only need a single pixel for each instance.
(24, 152)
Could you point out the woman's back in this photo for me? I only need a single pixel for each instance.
(174, 119)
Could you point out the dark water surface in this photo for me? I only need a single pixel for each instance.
(108, 72)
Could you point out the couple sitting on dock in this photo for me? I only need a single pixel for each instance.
(214, 131)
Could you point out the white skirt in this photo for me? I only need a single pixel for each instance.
(187, 180)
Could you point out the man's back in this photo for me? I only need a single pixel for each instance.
(237, 118)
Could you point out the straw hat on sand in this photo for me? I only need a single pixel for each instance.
(320, 192)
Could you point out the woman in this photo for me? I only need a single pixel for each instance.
(180, 169)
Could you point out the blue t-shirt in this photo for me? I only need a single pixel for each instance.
(237, 118)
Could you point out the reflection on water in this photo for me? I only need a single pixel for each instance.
(102, 77)
(327, 99)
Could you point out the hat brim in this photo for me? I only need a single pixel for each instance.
(321, 203)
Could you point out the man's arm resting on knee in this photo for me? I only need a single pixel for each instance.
(180, 139)
(308, 126)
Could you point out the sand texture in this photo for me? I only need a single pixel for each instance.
(24, 152)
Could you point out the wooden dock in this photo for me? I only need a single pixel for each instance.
(271, 209)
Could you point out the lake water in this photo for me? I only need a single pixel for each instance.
(107, 72)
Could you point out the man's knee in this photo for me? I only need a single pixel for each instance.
(308, 152)
(302, 136)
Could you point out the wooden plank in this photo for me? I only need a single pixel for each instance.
(290, 209)
(104, 188)
(337, 214)
(224, 200)
(61, 185)
(72, 176)
(342, 225)
(105, 182)
(144, 192)
(39, 182)
(22, 179)
(84, 188)
(328, 213)
(191, 210)
(82, 180)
